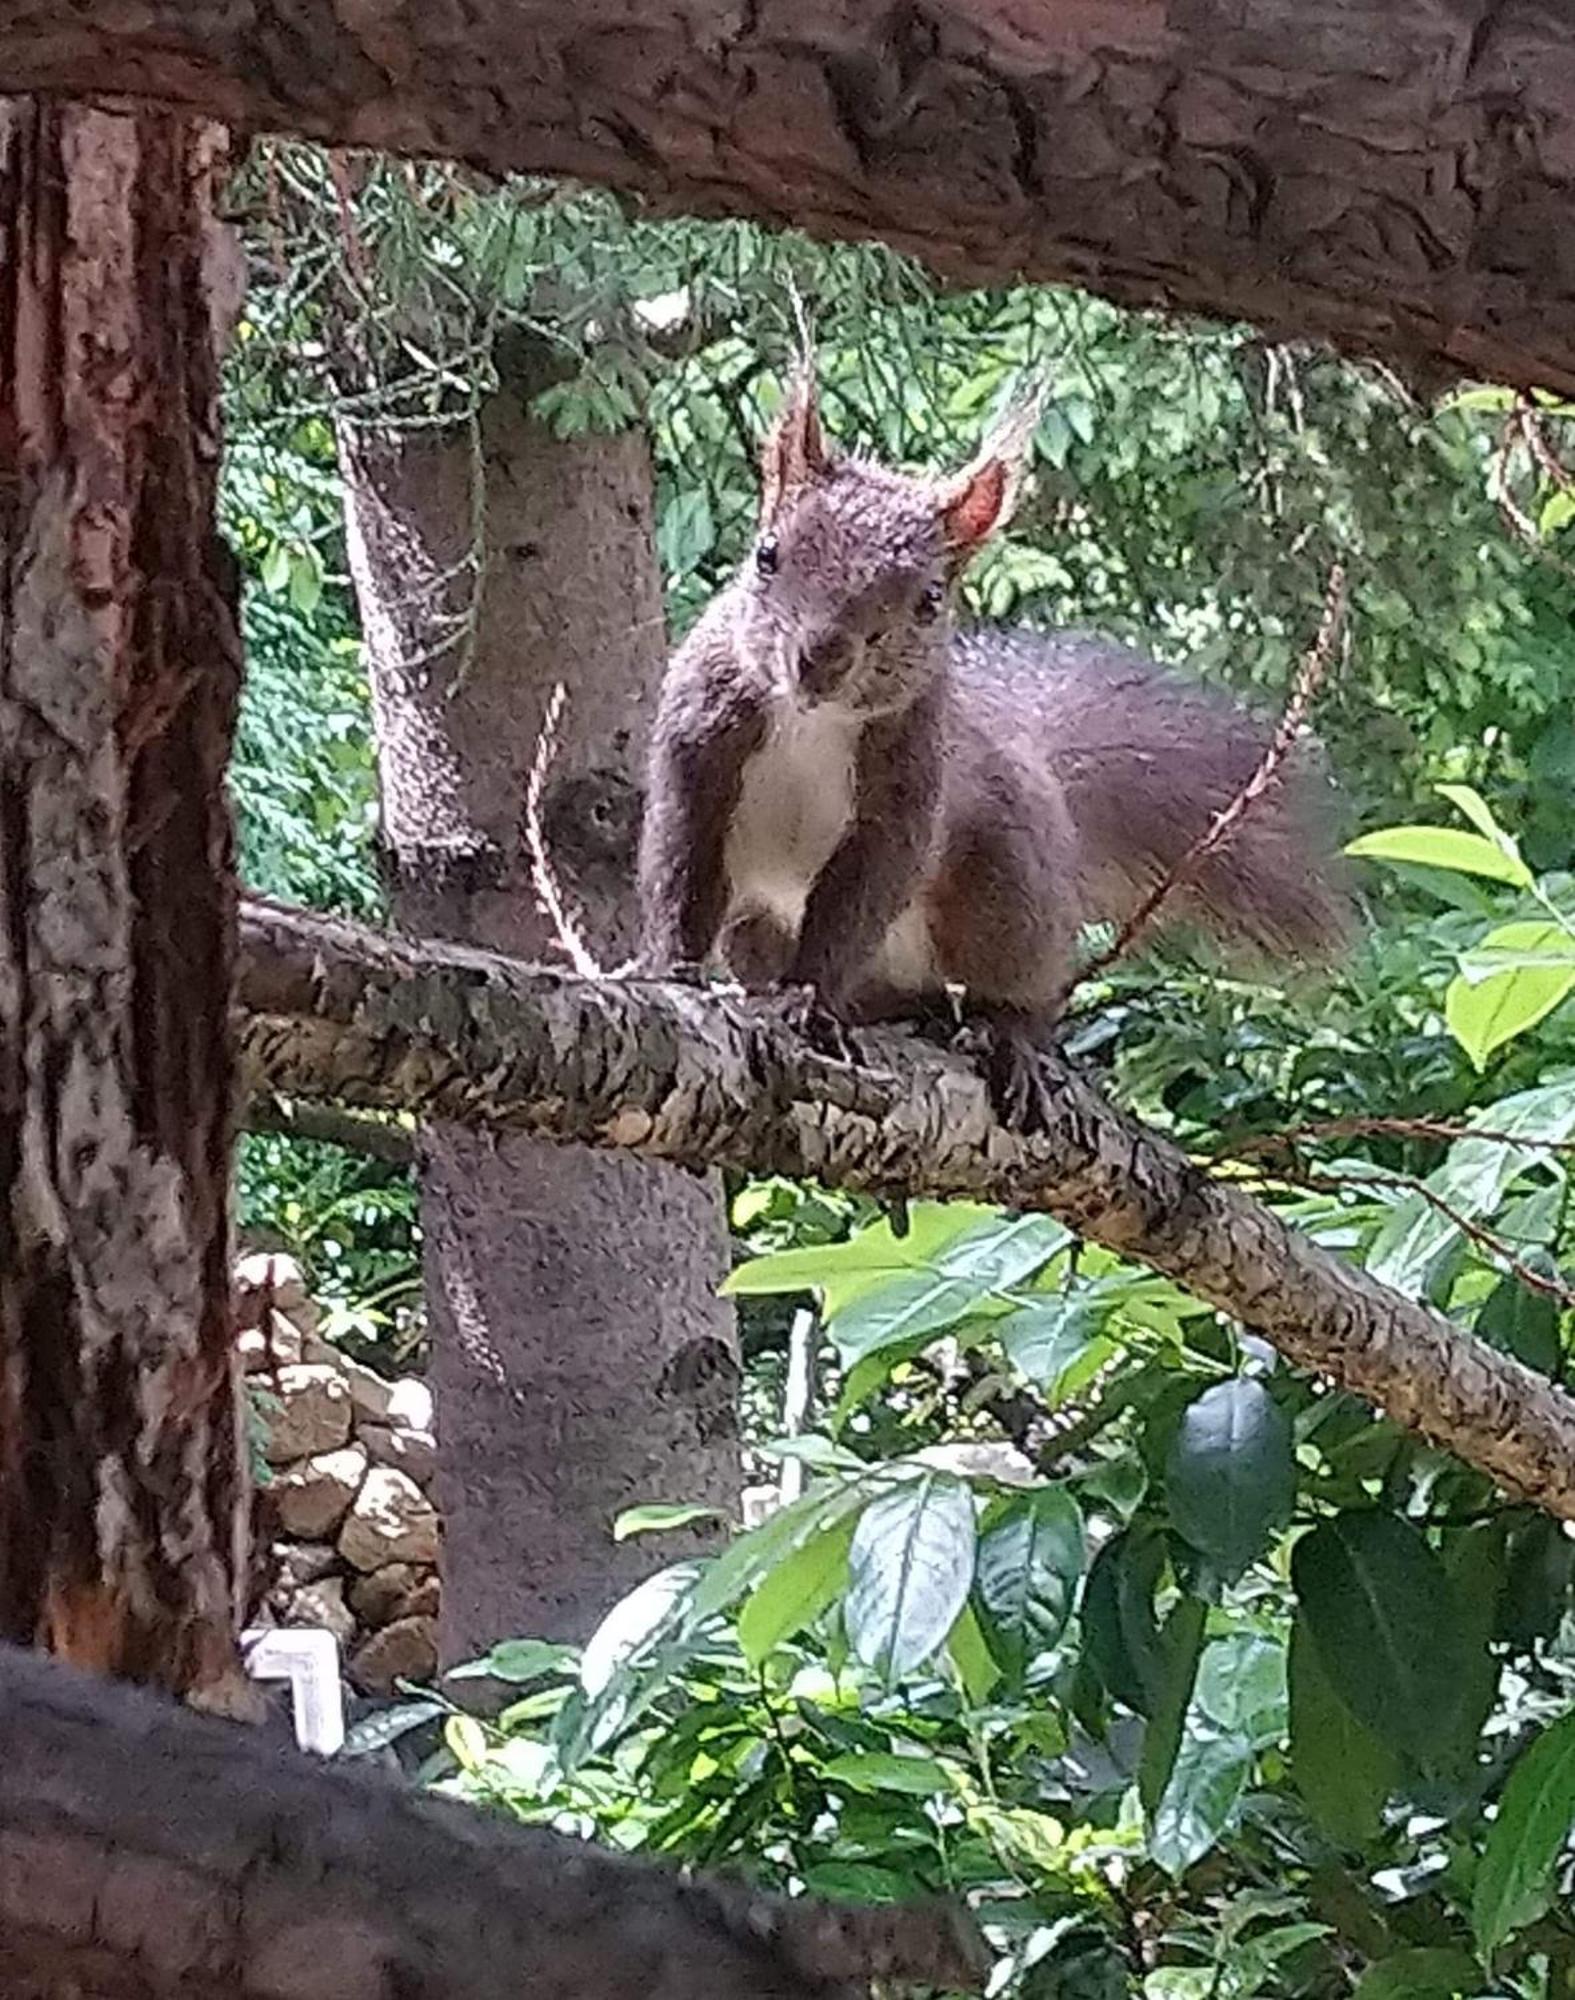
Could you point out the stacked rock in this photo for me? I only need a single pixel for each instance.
(351, 1532)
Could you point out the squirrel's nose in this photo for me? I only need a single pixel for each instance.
(824, 663)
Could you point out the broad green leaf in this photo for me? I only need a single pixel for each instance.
(743, 1563)
(878, 1771)
(1231, 1472)
(520, 1660)
(795, 1592)
(1514, 1883)
(1471, 805)
(1558, 510)
(871, 1257)
(1530, 943)
(1045, 1337)
(1181, 1647)
(910, 1569)
(1520, 1321)
(1378, 1607)
(1484, 1012)
(1030, 1563)
(1424, 1972)
(1199, 1804)
(988, 1259)
(975, 1663)
(1474, 1564)
(1472, 1181)
(655, 1519)
(1342, 1770)
(651, 1611)
(1537, 1568)
(1241, 1686)
(1444, 847)
(276, 568)
(1120, 1630)
(467, 1742)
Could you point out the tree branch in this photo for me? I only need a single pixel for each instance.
(149, 1852)
(333, 1010)
(1280, 163)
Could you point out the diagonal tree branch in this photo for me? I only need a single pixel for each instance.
(332, 1010)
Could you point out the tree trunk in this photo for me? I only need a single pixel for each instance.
(582, 1360)
(1392, 175)
(123, 1492)
(151, 1855)
(336, 1011)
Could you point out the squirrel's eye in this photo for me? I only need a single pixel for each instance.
(767, 557)
(931, 598)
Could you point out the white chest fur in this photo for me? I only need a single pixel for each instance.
(795, 803)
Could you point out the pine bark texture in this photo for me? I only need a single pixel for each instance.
(123, 1493)
(149, 1854)
(1393, 175)
(582, 1360)
(332, 1010)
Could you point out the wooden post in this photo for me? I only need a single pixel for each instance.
(123, 1488)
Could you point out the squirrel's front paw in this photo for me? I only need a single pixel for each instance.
(1017, 1076)
(802, 1009)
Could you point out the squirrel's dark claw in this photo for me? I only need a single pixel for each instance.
(802, 1009)
(1016, 1076)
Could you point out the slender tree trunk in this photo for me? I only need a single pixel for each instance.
(123, 1502)
(582, 1360)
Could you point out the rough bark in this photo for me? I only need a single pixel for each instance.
(1393, 175)
(582, 1360)
(147, 1854)
(123, 1501)
(333, 1010)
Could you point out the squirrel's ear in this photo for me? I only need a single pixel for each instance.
(979, 501)
(795, 451)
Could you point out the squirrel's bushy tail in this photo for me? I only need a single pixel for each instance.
(1147, 759)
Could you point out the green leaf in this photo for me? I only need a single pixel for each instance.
(1342, 1770)
(276, 567)
(1520, 1321)
(1473, 1181)
(1424, 1972)
(1120, 1629)
(877, 1771)
(652, 1611)
(990, 1258)
(868, 1258)
(1029, 1565)
(1210, 1775)
(795, 1592)
(1514, 1883)
(1486, 1009)
(910, 1569)
(1444, 847)
(1181, 1645)
(1378, 1607)
(743, 1563)
(1231, 1472)
(1474, 1564)
(1558, 510)
(521, 1660)
(656, 1519)
(975, 1663)
(1471, 805)
(1043, 1338)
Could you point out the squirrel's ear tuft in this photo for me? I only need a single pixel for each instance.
(795, 451)
(979, 501)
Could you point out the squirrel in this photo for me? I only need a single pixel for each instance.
(852, 798)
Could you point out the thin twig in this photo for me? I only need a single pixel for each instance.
(1225, 822)
(1325, 1182)
(1383, 1128)
(555, 906)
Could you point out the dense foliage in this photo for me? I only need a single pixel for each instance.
(1195, 1675)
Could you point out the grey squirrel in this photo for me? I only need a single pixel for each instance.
(851, 799)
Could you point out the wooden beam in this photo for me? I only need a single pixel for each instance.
(1392, 175)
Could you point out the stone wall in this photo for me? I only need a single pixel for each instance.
(345, 1528)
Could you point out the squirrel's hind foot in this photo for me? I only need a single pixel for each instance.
(1016, 1074)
